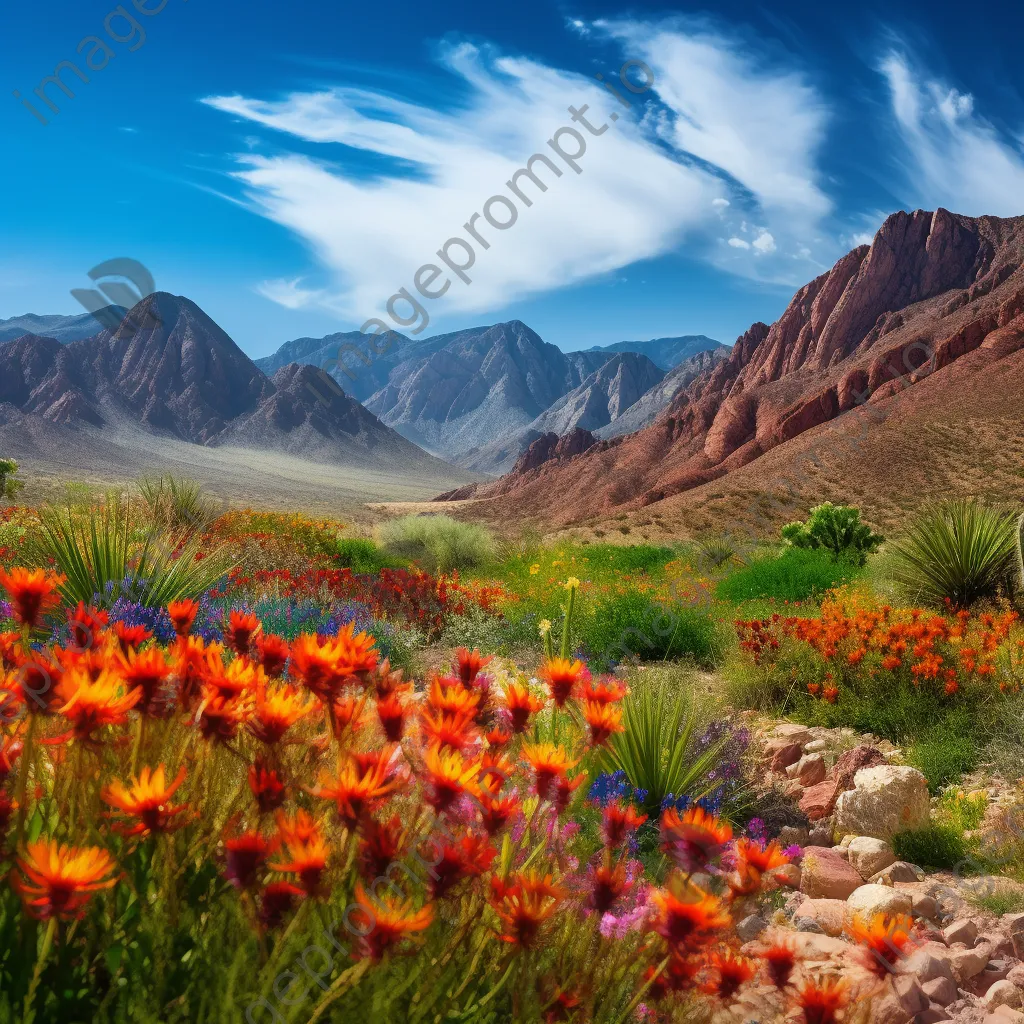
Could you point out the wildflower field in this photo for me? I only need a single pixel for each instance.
(255, 768)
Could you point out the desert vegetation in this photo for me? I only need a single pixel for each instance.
(258, 766)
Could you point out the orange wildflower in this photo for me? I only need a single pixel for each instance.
(92, 704)
(830, 693)
(813, 689)
(608, 690)
(272, 653)
(780, 961)
(218, 717)
(521, 704)
(617, 821)
(885, 938)
(466, 857)
(266, 786)
(730, 973)
(359, 789)
(390, 920)
(608, 886)
(821, 1000)
(33, 594)
(87, 625)
(183, 615)
(277, 900)
(392, 714)
(380, 844)
(306, 858)
(497, 811)
(563, 678)
(693, 839)
(147, 798)
(356, 652)
(241, 630)
(58, 881)
(524, 903)
(604, 720)
(131, 638)
(752, 861)
(689, 920)
(246, 857)
(448, 729)
(549, 764)
(455, 699)
(468, 664)
(277, 710)
(145, 671)
(448, 776)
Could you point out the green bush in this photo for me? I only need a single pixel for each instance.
(794, 575)
(946, 752)
(836, 529)
(363, 556)
(437, 543)
(631, 626)
(938, 846)
(627, 557)
(9, 483)
(958, 551)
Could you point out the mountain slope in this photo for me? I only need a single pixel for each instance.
(62, 328)
(182, 377)
(664, 352)
(932, 307)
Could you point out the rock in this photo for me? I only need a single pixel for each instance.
(825, 874)
(933, 1013)
(789, 875)
(1016, 975)
(1002, 944)
(1014, 924)
(879, 899)
(793, 733)
(783, 755)
(842, 851)
(809, 770)
(927, 966)
(901, 871)
(995, 970)
(807, 924)
(941, 990)
(907, 990)
(965, 931)
(1003, 993)
(819, 801)
(886, 1009)
(750, 927)
(869, 855)
(829, 915)
(815, 746)
(853, 761)
(966, 963)
(924, 906)
(885, 800)
(821, 833)
(793, 835)
(1005, 1015)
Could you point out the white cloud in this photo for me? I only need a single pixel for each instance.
(288, 293)
(739, 243)
(952, 156)
(754, 133)
(764, 243)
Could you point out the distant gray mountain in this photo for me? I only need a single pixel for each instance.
(645, 410)
(64, 329)
(599, 400)
(664, 352)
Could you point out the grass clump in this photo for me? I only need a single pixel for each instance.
(998, 901)
(937, 846)
(631, 626)
(945, 752)
(437, 543)
(958, 551)
(363, 556)
(793, 575)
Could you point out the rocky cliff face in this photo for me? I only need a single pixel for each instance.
(180, 375)
(930, 288)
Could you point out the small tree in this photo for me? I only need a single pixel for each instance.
(9, 486)
(836, 528)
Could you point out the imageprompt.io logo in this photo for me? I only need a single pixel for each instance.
(113, 295)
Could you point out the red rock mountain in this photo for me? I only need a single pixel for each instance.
(179, 375)
(934, 304)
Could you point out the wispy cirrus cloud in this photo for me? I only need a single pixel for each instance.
(952, 155)
(693, 171)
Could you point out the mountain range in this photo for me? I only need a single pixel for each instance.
(479, 397)
(893, 378)
(64, 329)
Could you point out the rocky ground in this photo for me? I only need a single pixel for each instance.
(964, 964)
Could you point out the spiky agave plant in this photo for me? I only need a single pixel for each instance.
(958, 551)
(101, 554)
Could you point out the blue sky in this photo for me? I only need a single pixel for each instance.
(289, 167)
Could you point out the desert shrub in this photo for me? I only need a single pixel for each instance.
(836, 529)
(793, 575)
(659, 752)
(437, 543)
(177, 503)
(631, 625)
(9, 483)
(628, 557)
(947, 751)
(714, 552)
(103, 558)
(775, 811)
(362, 555)
(957, 551)
(937, 846)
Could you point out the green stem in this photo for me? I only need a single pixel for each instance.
(643, 991)
(569, 608)
(28, 1014)
(21, 792)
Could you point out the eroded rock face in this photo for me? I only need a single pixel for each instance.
(885, 800)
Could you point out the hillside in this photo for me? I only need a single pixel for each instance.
(61, 328)
(865, 358)
(665, 353)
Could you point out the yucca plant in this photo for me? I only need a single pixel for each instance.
(958, 551)
(716, 551)
(658, 750)
(176, 502)
(102, 559)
